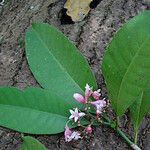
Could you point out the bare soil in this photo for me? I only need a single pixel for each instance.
(91, 36)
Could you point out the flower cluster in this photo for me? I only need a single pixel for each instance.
(98, 103)
(76, 114)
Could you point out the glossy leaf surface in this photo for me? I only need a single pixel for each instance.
(126, 64)
(56, 63)
(30, 143)
(33, 110)
(140, 108)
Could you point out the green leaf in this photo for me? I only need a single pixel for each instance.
(56, 63)
(140, 108)
(126, 64)
(30, 143)
(33, 110)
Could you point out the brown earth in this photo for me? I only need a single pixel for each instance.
(91, 36)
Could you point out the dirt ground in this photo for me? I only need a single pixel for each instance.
(91, 36)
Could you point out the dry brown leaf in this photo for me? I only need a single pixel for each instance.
(77, 9)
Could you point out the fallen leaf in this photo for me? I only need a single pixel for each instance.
(77, 9)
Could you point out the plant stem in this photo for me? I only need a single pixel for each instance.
(115, 127)
(111, 124)
(134, 146)
(136, 137)
(124, 136)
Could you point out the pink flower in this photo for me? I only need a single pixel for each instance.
(75, 135)
(89, 130)
(88, 91)
(76, 115)
(67, 134)
(96, 94)
(99, 104)
(79, 98)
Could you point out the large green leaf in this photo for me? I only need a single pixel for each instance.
(33, 110)
(30, 143)
(126, 64)
(56, 63)
(140, 108)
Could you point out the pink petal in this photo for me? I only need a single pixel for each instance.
(98, 111)
(96, 94)
(81, 114)
(79, 98)
(71, 111)
(103, 102)
(76, 119)
(99, 104)
(67, 134)
(75, 135)
(71, 117)
(95, 103)
(88, 91)
(76, 110)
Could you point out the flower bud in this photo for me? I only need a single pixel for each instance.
(79, 98)
(89, 130)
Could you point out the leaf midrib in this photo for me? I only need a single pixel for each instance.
(60, 65)
(34, 110)
(130, 66)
